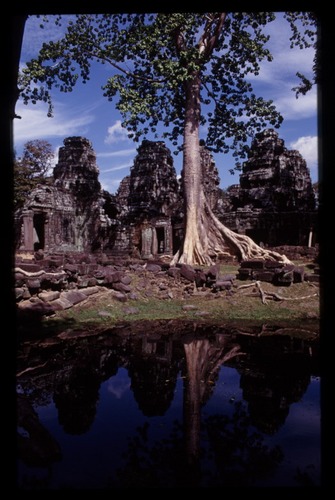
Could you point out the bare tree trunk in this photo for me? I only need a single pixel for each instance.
(194, 245)
(206, 238)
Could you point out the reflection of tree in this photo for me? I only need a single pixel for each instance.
(199, 451)
(238, 452)
(232, 454)
(203, 362)
(218, 450)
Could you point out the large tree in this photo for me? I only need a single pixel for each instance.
(184, 70)
(31, 168)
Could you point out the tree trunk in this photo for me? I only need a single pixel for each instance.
(205, 237)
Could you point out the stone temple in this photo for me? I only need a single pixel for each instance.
(68, 214)
(274, 203)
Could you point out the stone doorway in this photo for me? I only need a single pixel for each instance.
(39, 220)
(160, 233)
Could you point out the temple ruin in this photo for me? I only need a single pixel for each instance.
(68, 214)
(274, 203)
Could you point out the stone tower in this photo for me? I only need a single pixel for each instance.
(76, 169)
(274, 202)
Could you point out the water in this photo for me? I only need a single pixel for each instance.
(190, 409)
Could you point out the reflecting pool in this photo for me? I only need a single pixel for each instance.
(201, 407)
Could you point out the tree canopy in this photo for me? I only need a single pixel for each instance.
(31, 169)
(151, 56)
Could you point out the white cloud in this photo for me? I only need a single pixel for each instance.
(110, 185)
(308, 148)
(120, 152)
(294, 109)
(119, 167)
(35, 36)
(278, 77)
(35, 124)
(116, 133)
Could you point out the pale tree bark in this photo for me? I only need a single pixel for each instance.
(206, 238)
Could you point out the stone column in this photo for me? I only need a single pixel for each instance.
(168, 239)
(146, 243)
(28, 230)
(46, 233)
(154, 245)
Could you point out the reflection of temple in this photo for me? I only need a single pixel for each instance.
(202, 445)
(76, 393)
(273, 376)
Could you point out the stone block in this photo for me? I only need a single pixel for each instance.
(33, 284)
(253, 264)
(266, 276)
(91, 290)
(174, 272)
(244, 274)
(74, 296)
(61, 304)
(187, 272)
(31, 268)
(35, 308)
(272, 264)
(120, 287)
(298, 274)
(283, 279)
(222, 285)
(49, 296)
(312, 278)
(19, 293)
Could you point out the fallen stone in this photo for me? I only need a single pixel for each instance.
(131, 310)
(48, 296)
(189, 307)
(187, 272)
(120, 287)
(121, 297)
(36, 308)
(74, 296)
(61, 304)
(222, 285)
(19, 293)
(104, 313)
(153, 268)
(91, 290)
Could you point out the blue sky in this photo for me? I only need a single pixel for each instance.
(85, 112)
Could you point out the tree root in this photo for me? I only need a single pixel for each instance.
(37, 273)
(30, 369)
(271, 295)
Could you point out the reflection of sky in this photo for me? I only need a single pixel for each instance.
(300, 438)
(119, 384)
(91, 459)
(227, 389)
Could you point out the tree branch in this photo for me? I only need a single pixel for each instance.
(271, 295)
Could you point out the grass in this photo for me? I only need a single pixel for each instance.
(243, 305)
